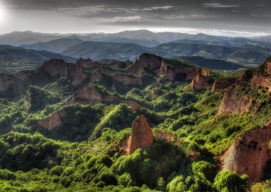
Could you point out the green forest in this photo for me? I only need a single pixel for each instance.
(54, 137)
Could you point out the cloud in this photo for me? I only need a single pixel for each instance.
(83, 11)
(125, 19)
(219, 5)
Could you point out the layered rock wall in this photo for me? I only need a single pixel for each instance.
(235, 102)
(249, 154)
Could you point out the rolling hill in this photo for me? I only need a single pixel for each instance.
(13, 59)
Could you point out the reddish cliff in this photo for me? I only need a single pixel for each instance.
(259, 76)
(137, 68)
(249, 153)
(52, 121)
(235, 101)
(141, 135)
(90, 95)
(126, 79)
(56, 67)
(223, 83)
(201, 82)
(189, 72)
(150, 60)
(163, 135)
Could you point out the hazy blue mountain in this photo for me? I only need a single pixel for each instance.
(246, 55)
(57, 46)
(140, 37)
(27, 37)
(104, 50)
(13, 59)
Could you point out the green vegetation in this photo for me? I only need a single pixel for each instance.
(46, 145)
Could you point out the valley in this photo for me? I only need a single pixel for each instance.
(155, 124)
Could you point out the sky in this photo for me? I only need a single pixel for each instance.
(217, 17)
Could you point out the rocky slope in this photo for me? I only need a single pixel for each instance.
(249, 153)
(138, 74)
(237, 99)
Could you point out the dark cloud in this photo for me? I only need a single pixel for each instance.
(253, 15)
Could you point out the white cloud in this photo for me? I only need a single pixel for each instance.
(219, 5)
(83, 11)
(123, 19)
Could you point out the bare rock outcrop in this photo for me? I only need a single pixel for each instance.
(235, 101)
(201, 82)
(52, 121)
(223, 83)
(150, 60)
(189, 73)
(90, 95)
(141, 135)
(163, 135)
(249, 153)
(137, 68)
(56, 67)
(260, 76)
(126, 79)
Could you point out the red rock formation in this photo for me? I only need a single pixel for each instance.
(249, 153)
(200, 82)
(163, 135)
(134, 105)
(234, 101)
(163, 69)
(126, 79)
(260, 76)
(141, 135)
(52, 121)
(223, 83)
(56, 67)
(150, 60)
(137, 68)
(190, 73)
(90, 95)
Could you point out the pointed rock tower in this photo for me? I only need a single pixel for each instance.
(141, 135)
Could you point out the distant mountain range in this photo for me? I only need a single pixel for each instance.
(13, 59)
(140, 37)
(215, 52)
(244, 55)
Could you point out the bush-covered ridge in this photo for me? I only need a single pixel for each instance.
(83, 152)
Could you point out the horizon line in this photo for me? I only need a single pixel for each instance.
(190, 31)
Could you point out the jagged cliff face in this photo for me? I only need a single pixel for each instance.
(15, 85)
(150, 60)
(249, 154)
(90, 95)
(137, 68)
(223, 83)
(60, 68)
(141, 135)
(201, 82)
(235, 101)
(51, 122)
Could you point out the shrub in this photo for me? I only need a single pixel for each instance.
(7, 175)
(56, 170)
(228, 181)
(205, 169)
(108, 178)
